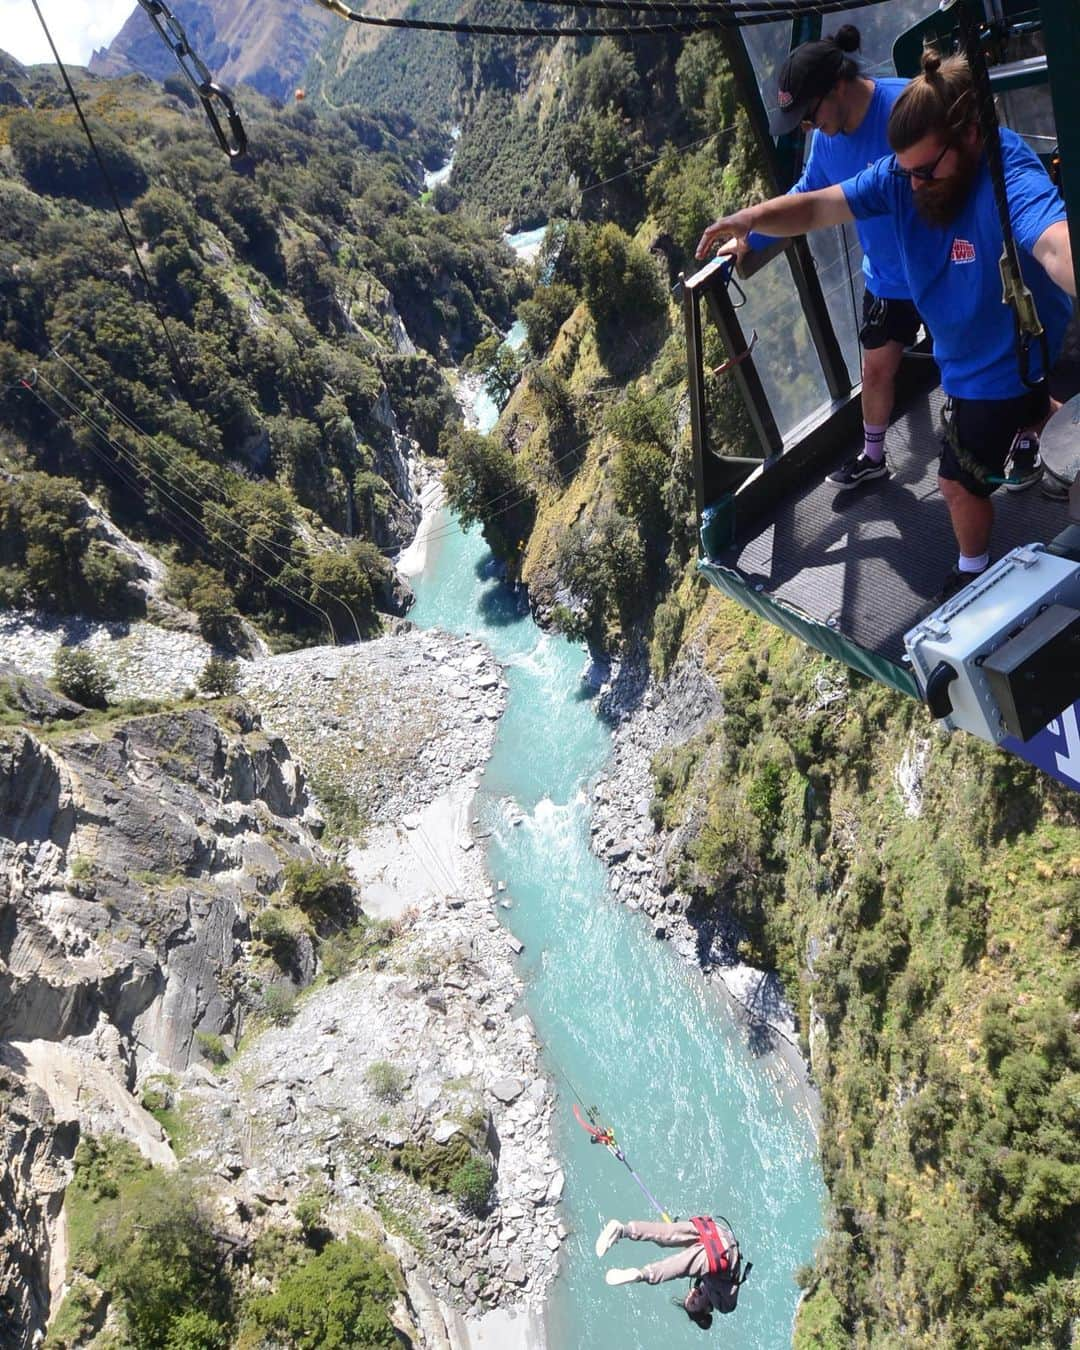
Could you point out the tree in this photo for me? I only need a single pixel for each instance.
(499, 366)
(619, 279)
(485, 487)
(339, 1299)
(602, 561)
(219, 678)
(545, 313)
(81, 676)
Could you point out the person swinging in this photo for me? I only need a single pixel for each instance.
(708, 1252)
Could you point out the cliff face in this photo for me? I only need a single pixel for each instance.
(36, 1152)
(265, 43)
(129, 857)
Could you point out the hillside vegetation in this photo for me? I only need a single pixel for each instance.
(257, 447)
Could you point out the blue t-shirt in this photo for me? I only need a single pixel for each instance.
(833, 159)
(952, 270)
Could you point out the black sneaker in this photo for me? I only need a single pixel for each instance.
(954, 582)
(858, 470)
(1024, 466)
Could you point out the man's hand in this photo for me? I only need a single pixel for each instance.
(735, 227)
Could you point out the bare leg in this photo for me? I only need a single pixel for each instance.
(972, 517)
(879, 367)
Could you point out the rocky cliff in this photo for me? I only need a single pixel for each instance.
(265, 43)
(140, 856)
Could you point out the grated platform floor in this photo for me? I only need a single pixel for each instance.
(868, 561)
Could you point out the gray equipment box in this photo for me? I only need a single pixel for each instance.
(1002, 656)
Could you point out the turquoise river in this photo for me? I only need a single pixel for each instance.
(710, 1127)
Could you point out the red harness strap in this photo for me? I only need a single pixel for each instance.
(716, 1249)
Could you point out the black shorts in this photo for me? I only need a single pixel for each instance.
(979, 434)
(887, 321)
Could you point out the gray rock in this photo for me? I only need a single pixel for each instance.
(507, 1090)
(444, 1131)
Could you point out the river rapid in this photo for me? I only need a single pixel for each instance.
(627, 1024)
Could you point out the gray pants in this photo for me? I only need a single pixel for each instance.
(688, 1261)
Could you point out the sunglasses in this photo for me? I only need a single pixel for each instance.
(923, 172)
(809, 122)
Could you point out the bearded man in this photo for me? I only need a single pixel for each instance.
(937, 187)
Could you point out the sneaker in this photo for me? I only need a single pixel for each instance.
(630, 1276)
(954, 582)
(613, 1231)
(1024, 466)
(858, 470)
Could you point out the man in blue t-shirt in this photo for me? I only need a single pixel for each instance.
(820, 88)
(937, 189)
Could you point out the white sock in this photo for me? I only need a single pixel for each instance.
(979, 564)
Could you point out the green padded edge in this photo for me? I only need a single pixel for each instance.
(817, 635)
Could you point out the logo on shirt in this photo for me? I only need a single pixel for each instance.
(962, 251)
(785, 98)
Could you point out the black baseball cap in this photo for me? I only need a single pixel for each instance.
(808, 74)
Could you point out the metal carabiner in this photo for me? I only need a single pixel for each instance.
(195, 71)
(238, 147)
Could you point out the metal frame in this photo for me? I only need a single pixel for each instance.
(1063, 64)
(716, 474)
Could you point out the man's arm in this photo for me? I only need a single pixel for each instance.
(1053, 252)
(782, 216)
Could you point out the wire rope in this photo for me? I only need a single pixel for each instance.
(710, 17)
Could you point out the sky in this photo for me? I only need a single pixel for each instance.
(77, 27)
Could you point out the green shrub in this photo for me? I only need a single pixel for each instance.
(213, 606)
(321, 892)
(669, 619)
(340, 1298)
(197, 1330)
(279, 928)
(212, 1047)
(80, 675)
(55, 158)
(279, 1004)
(386, 1080)
(143, 1235)
(310, 1207)
(471, 1184)
(219, 678)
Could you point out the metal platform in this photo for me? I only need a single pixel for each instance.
(866, 562)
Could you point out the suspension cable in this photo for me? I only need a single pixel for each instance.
(709, 17)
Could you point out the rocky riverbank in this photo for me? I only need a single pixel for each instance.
(647, 717)
(406, 1049)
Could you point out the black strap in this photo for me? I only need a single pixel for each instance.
(1014, 290)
